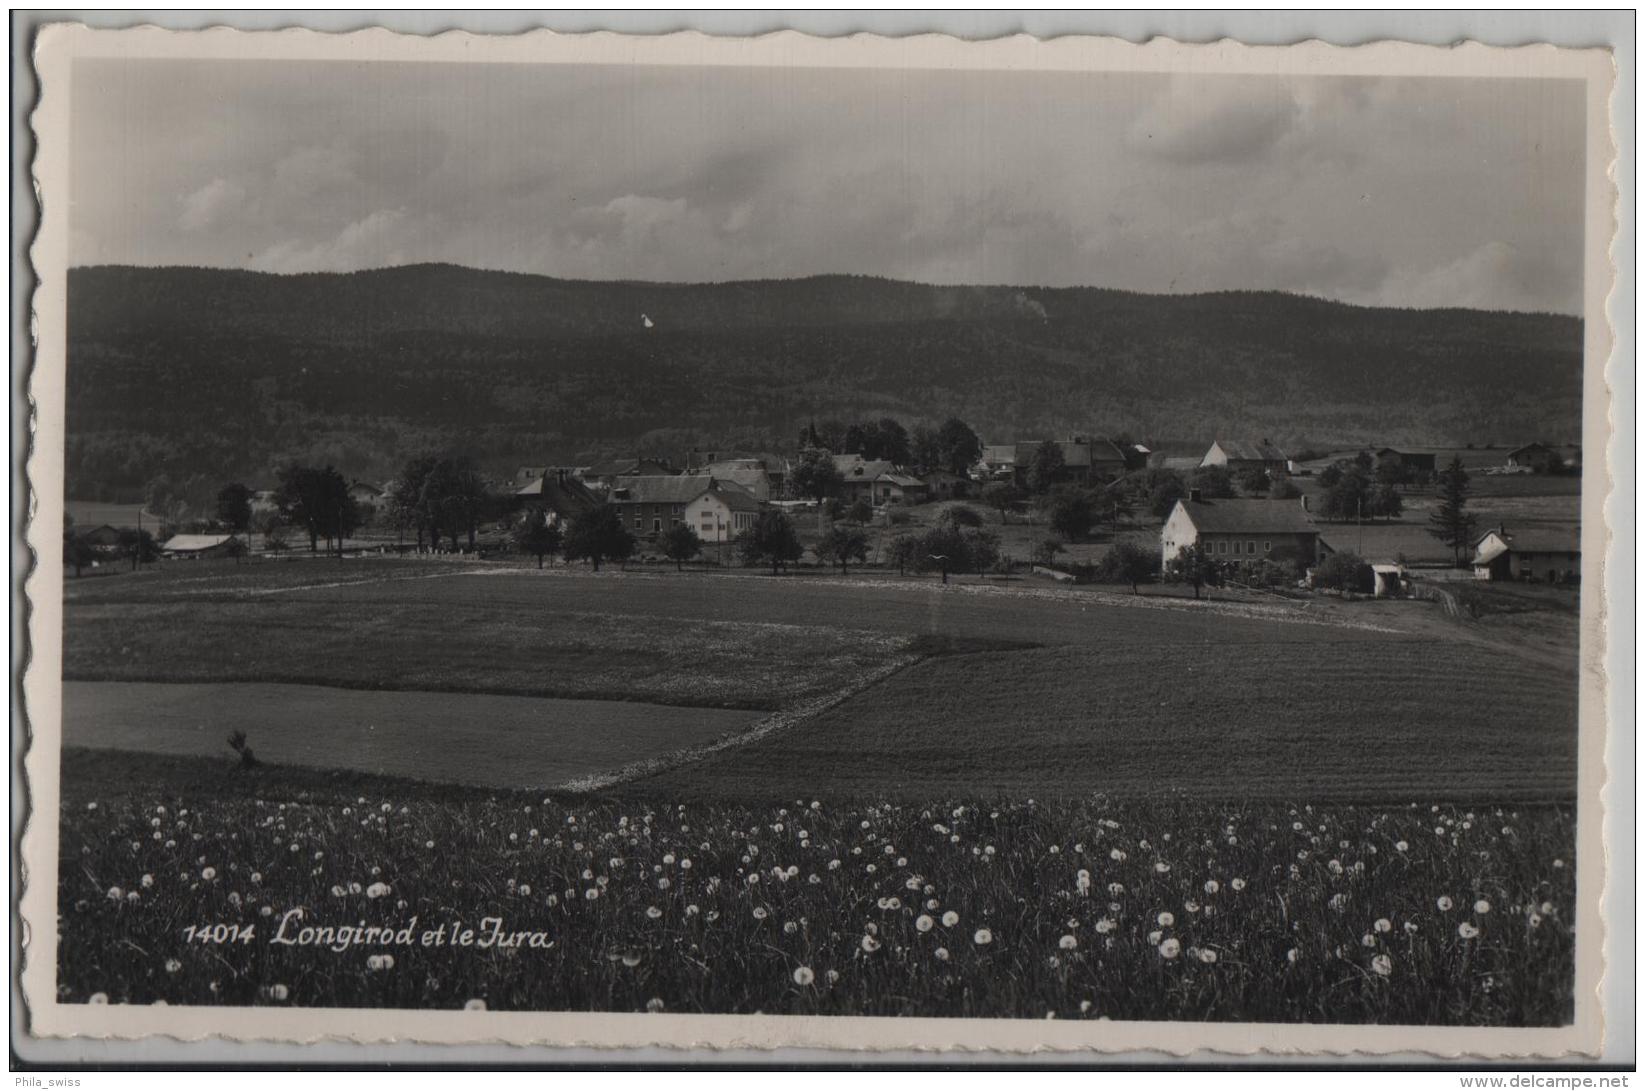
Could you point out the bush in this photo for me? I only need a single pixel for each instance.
(1344, 572)
(1045, 553)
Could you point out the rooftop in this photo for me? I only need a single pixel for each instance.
(1248, 516)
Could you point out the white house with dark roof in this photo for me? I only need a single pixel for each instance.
(721, 514)
(1239, 455)
(1546, 555)
(1242, 531)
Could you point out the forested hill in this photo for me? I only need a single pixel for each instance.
(209, 371)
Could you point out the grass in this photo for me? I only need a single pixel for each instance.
(1357, 721)
(509, 742)
(1139, 909)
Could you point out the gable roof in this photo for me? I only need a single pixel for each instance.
(662, 488)
(734, 499)
(626, 467)
(906, 481)
(193, 543)
(857, 468)
(1533, 540)
(1250, 452)
(1248, 516)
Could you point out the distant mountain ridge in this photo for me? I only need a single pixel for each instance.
(188, 370)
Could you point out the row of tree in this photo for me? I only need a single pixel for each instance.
(952, 445)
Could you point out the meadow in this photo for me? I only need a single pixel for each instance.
(1137, 909)
(1380, 721)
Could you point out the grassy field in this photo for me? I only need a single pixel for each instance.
(1143, 909)
(505, 742)
(1373, 721)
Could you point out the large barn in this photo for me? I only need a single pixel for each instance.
(1232, 531)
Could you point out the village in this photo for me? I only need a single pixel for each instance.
(1241, 513)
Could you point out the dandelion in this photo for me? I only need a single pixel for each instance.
(1171, 948)
(380, 962)
(1383, 924)
(1382, 965)
(377, 890)
(1482, 907)
(1207, 956)
(870, 944)
(172, 965)
(1402, 846)
(1155, 936)
(1367, 940)
(1162, 867)
(803, 976)
(654, 1005)
(631, 960)
(1559, 864)
(924, 923)
(760, 913)
(1165, 920)
(116, 894)
(950, 919)
(1104, 926)
(1237, 885)
(983, 937)
(1534, 920)
(940, 954)
(1466, 930)
(1068, 943)
(1291, 956)
(653, 912)
(1212, 886)
(1445, 903)
(97, 999)
(278, 992)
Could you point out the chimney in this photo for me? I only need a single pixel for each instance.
(1304, 501)
(1194, 496)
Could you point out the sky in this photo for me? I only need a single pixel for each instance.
(1402, 192)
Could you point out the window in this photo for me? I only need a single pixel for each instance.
(1267, 547)
(656, 526)
(1222, 547)
(638, 522)
(1251, 548)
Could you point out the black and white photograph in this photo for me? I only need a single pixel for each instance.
(1024, 539)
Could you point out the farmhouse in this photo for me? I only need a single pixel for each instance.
(720, 514)
(942, 485)
(1242, 531)
(1536, 457)
(899, 488)
(1084, 460)
(603, 476)
(998, 462)
(1239, 455)
(102, 537)
(860, 475)
(1414, 463)
(189, 546)
(748, 473)
(364, 492)
(1549, 556)
(651, 504)
(555, 493)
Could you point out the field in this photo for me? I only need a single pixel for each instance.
(1094, 909)
(508, 742)
(967, 749)
(1452, 722)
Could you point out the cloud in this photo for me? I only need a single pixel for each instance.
(207, 206)
(1209, 121)
(377, 240)
(1498, 275)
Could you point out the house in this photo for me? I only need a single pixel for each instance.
(720, 514)
(1242, 531)
(859, 475)
(942, 485)
(556, 493)
(650, 504)
(104, 537)
(1415, 464)
(191, 546)
(899, 488)
(364, 492)
(748, 473)
(1536, 457)
(1549, 556)
(998, 462)
(603, 476)
(1084, 460)
(1238, 455)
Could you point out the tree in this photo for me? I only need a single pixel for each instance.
(1451, 522)
(814, 475)
(1344, 572)
(1045, 466)
(409, 502)
(598, 535)
(1349, 498)
(236, 548)
(1045, 553)
(1392, 471)
(1002, 496)
(139, 545)
(860, 511)
(1213, 483)
(842, 545)
(1130, 562)
(234, 508)
(1253, 480)
(535, 535)
(77, 553)
(680, 544)
(925, 449)
(1118, 502)
(1331, 474)
(1164, 490)
(889, 440)
(274, 537)
(1284, 488)
(464, 497)
(903, 551)
(1071, 513)
(959, 446)
(962, 515)
(317, 500)
(982, 549)
(1193, 566)
(770, 539)
(1386, 502)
